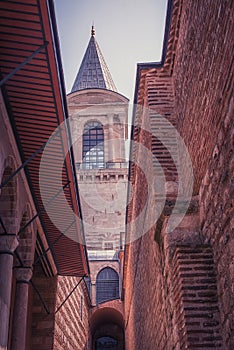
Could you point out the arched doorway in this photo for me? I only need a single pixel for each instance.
(106, 343)
(107, 329)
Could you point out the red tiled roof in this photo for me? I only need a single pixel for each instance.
(35, 101)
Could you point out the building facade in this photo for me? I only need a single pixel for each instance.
(99, 127)
(82, 278)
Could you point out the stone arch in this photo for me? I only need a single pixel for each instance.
(101, 267)
(92, 120)
(26, 238)
(8, 198)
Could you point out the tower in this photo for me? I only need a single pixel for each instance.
(99, 116)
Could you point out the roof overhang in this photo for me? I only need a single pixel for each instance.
(34, 94)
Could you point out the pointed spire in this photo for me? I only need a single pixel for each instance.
(93, 72)
(92, 31)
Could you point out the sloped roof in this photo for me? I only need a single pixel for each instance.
(34, 94)
(93, 72)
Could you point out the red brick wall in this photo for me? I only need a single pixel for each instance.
(199, 61)
(42, 332)
(72, 320)
(149, 322)
(204, 83)
(65, 327)
(203, 75)
(217, 222)
(195, 295)
(149, 318)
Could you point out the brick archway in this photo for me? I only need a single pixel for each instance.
(106, 322)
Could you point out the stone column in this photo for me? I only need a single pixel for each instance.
(93, 293)
(19, 331)
(8, 244)
(108, 152)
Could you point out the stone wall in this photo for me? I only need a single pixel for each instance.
(103, 200)
(102, 189)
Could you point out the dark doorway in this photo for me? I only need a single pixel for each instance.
(105, 343)
(107, 329)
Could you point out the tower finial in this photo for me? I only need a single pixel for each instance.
(92, 31)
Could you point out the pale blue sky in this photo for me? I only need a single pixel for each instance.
(128, 32)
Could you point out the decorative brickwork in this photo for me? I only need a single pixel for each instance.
(196, 300)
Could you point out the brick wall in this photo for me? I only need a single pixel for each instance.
(204, 81)
(195, 295)
(199, 65)
(71, 330)
(203, 76)
(217, 222)
(42, 332)
(65, 326)
(149, 319)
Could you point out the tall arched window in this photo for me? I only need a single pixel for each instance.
(107, 285)
(93, 146)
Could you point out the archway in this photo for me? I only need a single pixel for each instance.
(107, 329)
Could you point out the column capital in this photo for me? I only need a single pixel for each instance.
(8, 243)
(23, 274)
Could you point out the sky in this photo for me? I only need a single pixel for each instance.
(127, 31)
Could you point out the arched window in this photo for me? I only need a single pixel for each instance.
(107, 285)
(93, 146)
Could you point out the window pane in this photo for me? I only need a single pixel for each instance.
(93, 147)
(107, 285)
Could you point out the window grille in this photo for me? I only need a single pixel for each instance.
(107, 285)
(93, 146)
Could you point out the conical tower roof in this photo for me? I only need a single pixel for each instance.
(93, 72)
